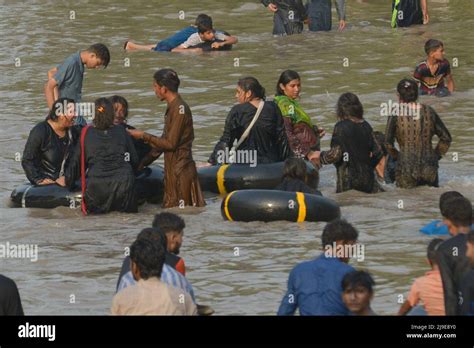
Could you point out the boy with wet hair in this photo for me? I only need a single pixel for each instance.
(65, 80)
(437, 226)
(427, 289)
(357, 292)
(431, 73)
(206, 38)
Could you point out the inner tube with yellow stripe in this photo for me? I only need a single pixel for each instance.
(274, 205)
(227, 178)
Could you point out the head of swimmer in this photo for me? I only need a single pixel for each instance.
(173, 227)
(289, 84)
(147, 254)
(434, 49)
(357, 292)
(165, 84)
(63, 112)
(248, 89)
(96, 56)
(336, 235)
(457, 213)
(120, 105)
(205, 29)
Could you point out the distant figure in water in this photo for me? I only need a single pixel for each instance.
(288, 16)
(414, 129)
(354, 150)
(409, 12)
(294, 177)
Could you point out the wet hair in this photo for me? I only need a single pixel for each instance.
(149, 256)
(295, 168)
(104, 114)
(59, 104)
(205, 24)
(357, 279)
(167, 78)
(202, 18)
(286, 77)
(155, 234)
(432, 250)
(251, 84)
(432, 45)
(102, 52)
(459, 211)
(348, 105)
(380, 139)
(338, 230)
(168, 222)
(117, 99)
(408, 90)
(445, 197)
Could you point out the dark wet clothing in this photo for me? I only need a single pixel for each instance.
(355, 153)
(141, 148)
(289, 18)
(45, 152)
(453, 266)
(467, 294)
(417, 161)
(406, 13)
(267, 137)
(10, 302)
(296, 185)
(320, 14)
(181, 181)
(110, 159)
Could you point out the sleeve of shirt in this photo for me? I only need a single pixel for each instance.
(289, 302)
(125, 281)
(226, 139)
(414, 294)
(220, 36)
(443, 134)
(284, 149)
(341, 9)
(417, 74)
(193, 40)
(32, 154)
(10, 302)
(448, 69)
(64, 70)
(390, 131)
(334, 155)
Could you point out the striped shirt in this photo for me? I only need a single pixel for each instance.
(169, 276)
(428, 82)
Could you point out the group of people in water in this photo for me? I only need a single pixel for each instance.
(104, 157)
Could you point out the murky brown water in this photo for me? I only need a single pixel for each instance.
(82, 256)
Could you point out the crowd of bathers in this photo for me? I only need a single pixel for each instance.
(104, 157)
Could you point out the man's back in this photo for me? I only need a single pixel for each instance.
(315, 288)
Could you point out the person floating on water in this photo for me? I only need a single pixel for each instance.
(288, 16)
(66, 80)
(303, 136)
(413, 129)
(172, 42)
(49, 146)
(206, 39)
(181, 184)
(431, 73)
(426, 295)
(409, 12)
(121, 118)
(105, 160)
(254, 130)
(319, 13)
(354, 150)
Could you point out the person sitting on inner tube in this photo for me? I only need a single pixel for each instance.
(121, 116)
(47, 150)
(294, 177)
(267, 137)
(109, 159)
(303, 136)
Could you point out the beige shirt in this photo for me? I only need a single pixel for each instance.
(152, 297)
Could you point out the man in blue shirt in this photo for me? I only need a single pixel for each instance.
(315, 287)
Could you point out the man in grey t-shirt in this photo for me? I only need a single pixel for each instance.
(65, 81)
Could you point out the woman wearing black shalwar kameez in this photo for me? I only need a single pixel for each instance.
(110, 160)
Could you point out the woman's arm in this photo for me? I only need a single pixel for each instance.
(443, 134)
(226, 139)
